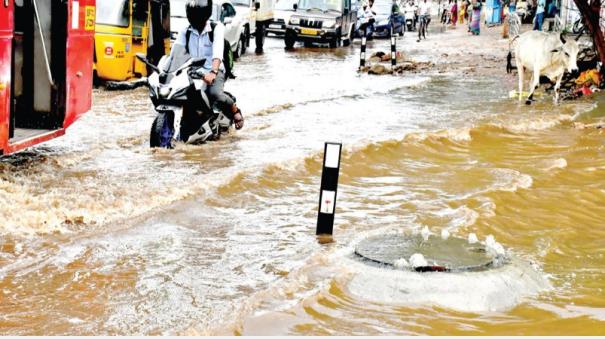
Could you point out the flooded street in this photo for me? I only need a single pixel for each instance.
(99, 234)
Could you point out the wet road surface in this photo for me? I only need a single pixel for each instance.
(101, 235)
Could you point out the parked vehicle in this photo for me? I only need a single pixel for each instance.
(283, 11)
(127, 27)
(260, 14)
(46, 58)
(322, 21)
(236, 24)
(184, 111)
(385, 18)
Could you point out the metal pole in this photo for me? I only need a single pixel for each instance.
(362, 58)
(393, 50)
(329, 188)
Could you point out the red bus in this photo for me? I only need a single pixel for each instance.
(46, 52)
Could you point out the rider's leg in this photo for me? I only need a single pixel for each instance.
(225, 103)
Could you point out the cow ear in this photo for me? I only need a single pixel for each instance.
(562, 39)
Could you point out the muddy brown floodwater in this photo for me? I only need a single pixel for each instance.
(101, 235)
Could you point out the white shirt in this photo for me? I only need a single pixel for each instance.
(200, 45)
(423, 8)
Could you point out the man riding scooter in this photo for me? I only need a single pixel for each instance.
(204, 40)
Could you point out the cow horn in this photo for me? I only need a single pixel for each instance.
(562, 39)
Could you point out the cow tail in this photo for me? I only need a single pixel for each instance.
(509, 57)
(509, 64)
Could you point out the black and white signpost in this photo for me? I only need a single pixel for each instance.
(362, 54)
(329, 188)
(393, 50)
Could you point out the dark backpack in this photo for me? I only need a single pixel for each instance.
(228, 59)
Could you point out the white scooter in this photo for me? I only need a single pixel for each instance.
(184, 111)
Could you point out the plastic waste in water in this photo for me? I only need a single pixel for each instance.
(401, 263)
(425, 233)
(417, 260)
(445, 234)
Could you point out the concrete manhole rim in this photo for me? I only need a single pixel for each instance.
(403, 245)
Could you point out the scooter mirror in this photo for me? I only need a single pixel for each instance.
(295, 6)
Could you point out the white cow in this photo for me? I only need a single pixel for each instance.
(546, 54)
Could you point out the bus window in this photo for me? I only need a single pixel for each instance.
(113, 13)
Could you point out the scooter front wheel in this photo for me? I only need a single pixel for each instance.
(161, 132)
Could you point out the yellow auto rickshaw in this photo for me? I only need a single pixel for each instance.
(127, 27)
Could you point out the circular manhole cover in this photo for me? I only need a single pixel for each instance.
(452, 254)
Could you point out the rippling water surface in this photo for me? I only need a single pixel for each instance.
(101, 235)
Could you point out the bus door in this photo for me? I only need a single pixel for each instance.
(38, 68)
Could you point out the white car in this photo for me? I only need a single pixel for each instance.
(281, 16)
(237, 27)
(259, 14)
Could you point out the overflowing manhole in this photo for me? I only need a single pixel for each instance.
(429, 253)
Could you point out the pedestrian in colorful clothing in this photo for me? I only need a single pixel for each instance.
(476, 21)
(454, 11)
(462, 11)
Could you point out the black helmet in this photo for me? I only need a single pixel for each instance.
(198, 13)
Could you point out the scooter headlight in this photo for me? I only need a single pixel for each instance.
(164, 92)
(294, 21)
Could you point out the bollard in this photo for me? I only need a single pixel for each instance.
(393, 51)
(329, 188)
(362, 57)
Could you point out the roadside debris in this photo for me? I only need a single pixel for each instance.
(379, 64)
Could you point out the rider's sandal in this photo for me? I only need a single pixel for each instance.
(239, 123)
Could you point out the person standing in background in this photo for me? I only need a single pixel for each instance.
(444, 8)
(539, 19)
(469, 13)
(454, 11)
(476, 21)
(512, 6)
(462, 11)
